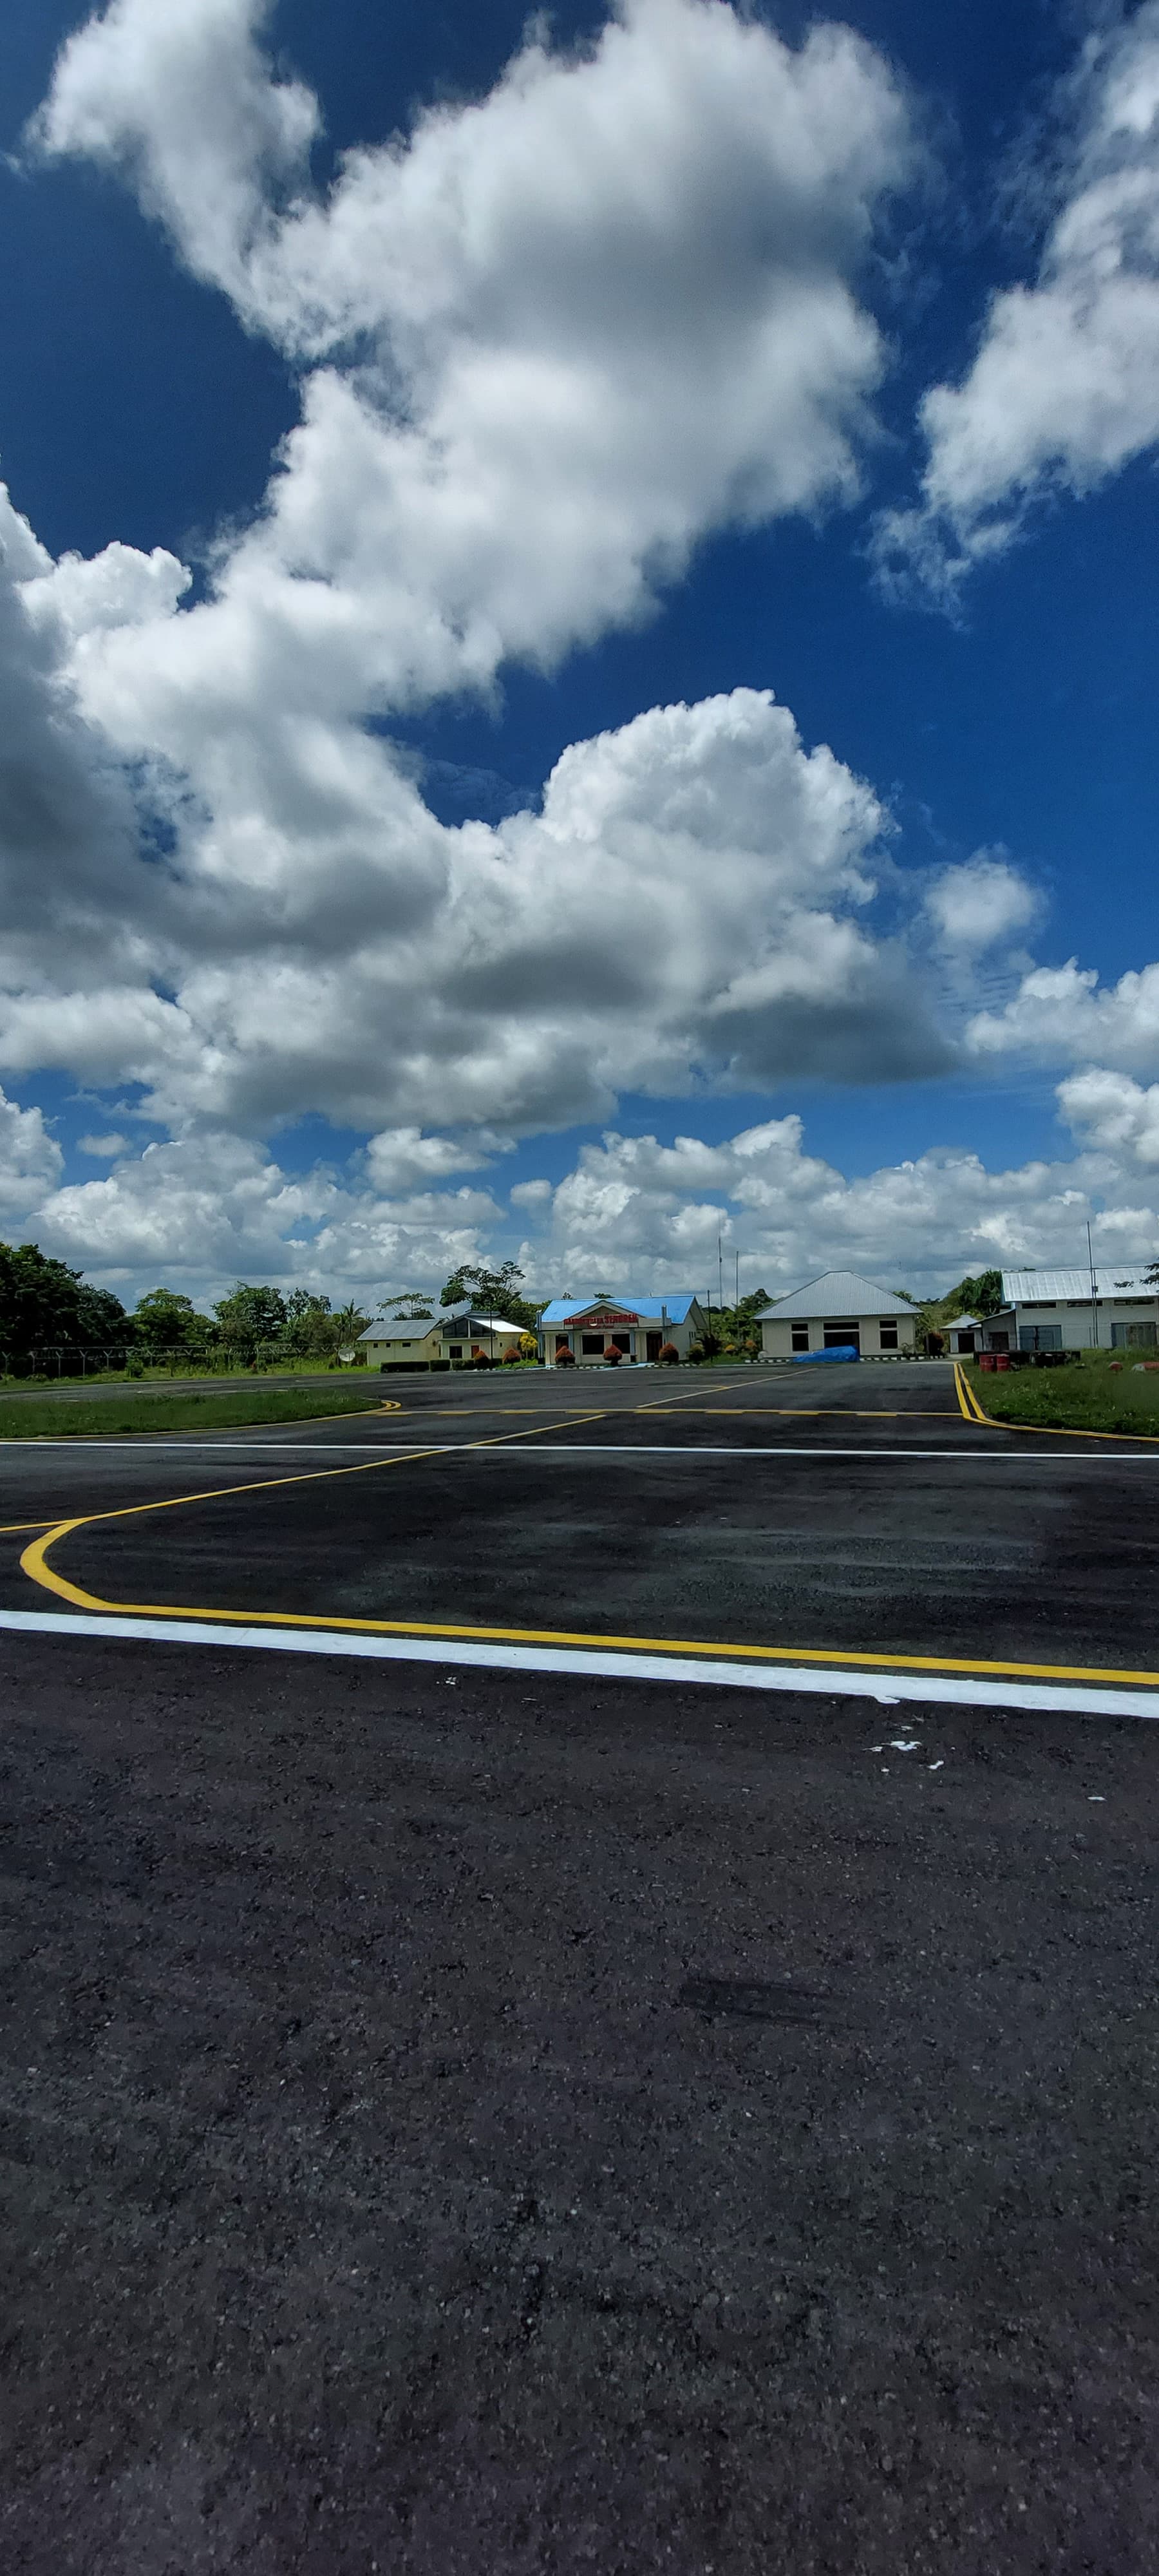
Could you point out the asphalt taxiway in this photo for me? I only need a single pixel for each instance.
(677, 2097)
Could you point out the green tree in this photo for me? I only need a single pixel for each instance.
(162, 1321)
(40, 1301)
(981, 1296)
(250, 1319)
(412, 1306)
(492, 1292)
(101, 1319)
(737, 1325)
(167, 1326)
(46, 1305)
(308, 1330)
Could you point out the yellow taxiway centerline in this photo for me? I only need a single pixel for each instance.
(34, 1563)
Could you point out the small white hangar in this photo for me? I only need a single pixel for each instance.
(837, 1311)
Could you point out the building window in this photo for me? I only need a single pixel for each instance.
(800, 1336)
(1134, 1337)
(1040, 1337)
(837, 1336)
(456, 1350)
(592, 1345)
(888, 1333)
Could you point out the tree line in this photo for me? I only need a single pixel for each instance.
(50, 1315)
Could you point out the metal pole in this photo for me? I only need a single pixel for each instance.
(738, 1278)
(720, 1272)
(1094, 1291)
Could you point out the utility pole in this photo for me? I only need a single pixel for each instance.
(720, 1272)
(1094, 1291)
(738, 1278)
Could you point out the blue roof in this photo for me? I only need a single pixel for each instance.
(677, 1305)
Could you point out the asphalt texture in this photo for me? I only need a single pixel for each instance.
(488, 2123)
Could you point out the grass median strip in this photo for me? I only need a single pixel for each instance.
(1097, 1393)
(47, 1418)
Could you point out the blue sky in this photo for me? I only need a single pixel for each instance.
(302, 982)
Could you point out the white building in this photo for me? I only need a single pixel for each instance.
(437, 1340)
(1063, 1310)
(838, 1310)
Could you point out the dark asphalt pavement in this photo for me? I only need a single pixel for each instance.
(476, 2124)
(716, 1511)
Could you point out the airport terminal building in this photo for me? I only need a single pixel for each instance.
(640, 1326)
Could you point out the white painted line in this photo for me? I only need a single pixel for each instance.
(812, 1449)
(830, 1681)
(499, 1448)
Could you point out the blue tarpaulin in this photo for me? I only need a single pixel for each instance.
(844, 1351)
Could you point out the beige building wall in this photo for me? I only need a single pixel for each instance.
(779, 1342)
(425, 1346)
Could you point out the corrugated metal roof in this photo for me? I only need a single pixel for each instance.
(961, 1324)
(1055, 1287)
(838, 1292)
(419, 1330)
(676, 1306)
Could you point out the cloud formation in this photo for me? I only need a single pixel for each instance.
(1064, 388)
(496, 313)
(688, 905)
(1062, 1014)
(981, 904)
(637, 1214)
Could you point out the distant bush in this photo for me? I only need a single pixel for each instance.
(563, 1357)
(669, 1355)
(613, 1355)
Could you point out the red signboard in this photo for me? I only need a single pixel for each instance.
(605, 1320)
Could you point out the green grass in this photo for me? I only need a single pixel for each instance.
(36, 1418)
(161, 1375)
(1086, 1395)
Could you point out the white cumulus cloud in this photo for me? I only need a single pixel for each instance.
(1062, 1013)
(498, 314)
(1064, 388)
(980, 904)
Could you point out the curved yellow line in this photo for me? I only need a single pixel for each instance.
(1058, 1430)
(34, 1564)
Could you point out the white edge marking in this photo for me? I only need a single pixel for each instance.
(822, 1680)
(371, 1449)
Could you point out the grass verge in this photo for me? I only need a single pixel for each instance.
(1086, 1395)
(47, 1419)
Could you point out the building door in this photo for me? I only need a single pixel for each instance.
(653, 1344)
(840, 1336)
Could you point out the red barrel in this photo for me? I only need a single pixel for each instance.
(987, 1360)
(1001, 1359)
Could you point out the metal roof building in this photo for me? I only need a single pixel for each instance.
(1065, 1310)
(838, 1309)
(637, 1326)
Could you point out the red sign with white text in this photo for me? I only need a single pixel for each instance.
(605, 1320)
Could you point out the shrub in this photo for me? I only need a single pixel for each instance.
(563, 1357)
(512, 1353)
(669, 1355)
(613, 1355)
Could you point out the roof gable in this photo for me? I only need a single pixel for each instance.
(677, 1306)
(838, 1293)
